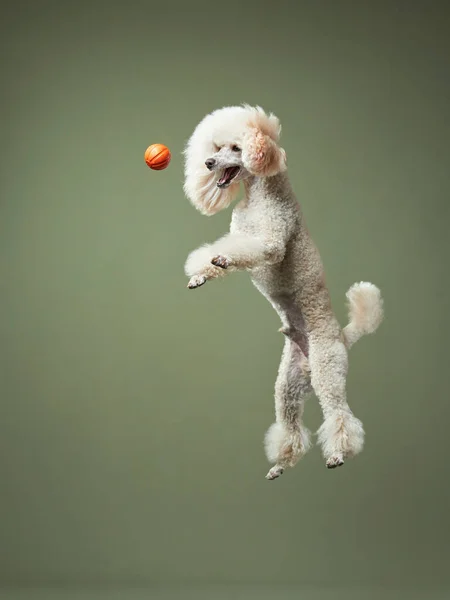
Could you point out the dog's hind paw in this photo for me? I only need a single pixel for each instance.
(274, 472)
(335, 461)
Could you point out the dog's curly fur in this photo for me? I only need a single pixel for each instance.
(268, 237)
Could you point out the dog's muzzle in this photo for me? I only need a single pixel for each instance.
(228, 175)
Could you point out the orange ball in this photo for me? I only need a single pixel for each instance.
(157, 157)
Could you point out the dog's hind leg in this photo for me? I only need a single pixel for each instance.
(341, 433)
(287, 440)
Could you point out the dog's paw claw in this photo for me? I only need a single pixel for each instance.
(196, 281)
(221, 261)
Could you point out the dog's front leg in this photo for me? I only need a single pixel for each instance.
(230, 253)
(240, 251)
(199, 267)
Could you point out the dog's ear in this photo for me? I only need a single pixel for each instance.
(261, 154)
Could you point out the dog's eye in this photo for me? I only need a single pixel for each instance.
(235, 149)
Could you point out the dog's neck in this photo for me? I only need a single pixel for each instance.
(258, 188)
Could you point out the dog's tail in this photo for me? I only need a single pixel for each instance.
(365, 310)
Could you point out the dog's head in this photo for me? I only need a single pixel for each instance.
(228, 146)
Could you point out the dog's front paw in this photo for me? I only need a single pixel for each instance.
(221, 261)
(196, 281)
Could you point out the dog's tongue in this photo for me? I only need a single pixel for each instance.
(228, 173)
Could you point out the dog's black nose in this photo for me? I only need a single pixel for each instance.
(210, 163)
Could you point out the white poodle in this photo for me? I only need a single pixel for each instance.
(269, 238)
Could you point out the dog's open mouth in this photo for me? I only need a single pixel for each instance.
(228, 175)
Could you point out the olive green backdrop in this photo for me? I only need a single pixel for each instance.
(133, 411)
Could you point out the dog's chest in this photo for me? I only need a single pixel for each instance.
(250, 220)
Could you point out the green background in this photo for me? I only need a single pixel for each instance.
(133, 411)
